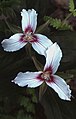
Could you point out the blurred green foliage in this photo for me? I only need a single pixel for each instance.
(24, 108)
(8, 12)
(72, 7)
(62, 24)
(58, 24)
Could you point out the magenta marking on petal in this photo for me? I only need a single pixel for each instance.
(34, 39)
(39, 77)
(28, 29)
(50, 80)
(49, 69)
(22, 40)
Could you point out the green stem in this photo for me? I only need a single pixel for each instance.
(69, 15)
(31, 54)
(42, 27)
(37, 64)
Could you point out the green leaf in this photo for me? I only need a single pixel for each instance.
(32, 93)
(34, 99)
(21, 114)
(24, 101)
(28, 117)
(58, 24)
(65, 26)
(71, 5)
(74, 13)
(30, 108)
(28, 104)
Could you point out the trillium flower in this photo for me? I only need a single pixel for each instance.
(17, 41)
(34, 79)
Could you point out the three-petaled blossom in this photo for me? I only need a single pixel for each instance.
(17, 41)
(34, 79)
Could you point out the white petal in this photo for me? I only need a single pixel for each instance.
(33, 19)
(29, 19)
(42, 44)
(28, 79)
(13, 43)
(44, 41)
(39, 48)
(60, 86)
(53, 57)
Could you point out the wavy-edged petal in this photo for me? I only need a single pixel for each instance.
(60, 86)
(28, 79)
(13, 43)
(54, 55)
(42, 44)
(29, 20)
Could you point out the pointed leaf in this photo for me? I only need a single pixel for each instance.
(71, 5)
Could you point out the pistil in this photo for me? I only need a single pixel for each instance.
(46, 75)
(28, 36)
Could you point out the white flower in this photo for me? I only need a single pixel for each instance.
(29, 22)
(34, 79)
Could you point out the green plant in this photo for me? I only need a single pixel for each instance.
(62, 24)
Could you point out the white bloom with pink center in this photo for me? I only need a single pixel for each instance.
(29, 22)
(34, 79)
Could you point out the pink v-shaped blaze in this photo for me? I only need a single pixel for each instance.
(50, 80)
(46, 75)
(25, 40)
(28, 29)
(28, 32)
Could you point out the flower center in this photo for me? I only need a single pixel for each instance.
(46, 75)
(28, 36)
